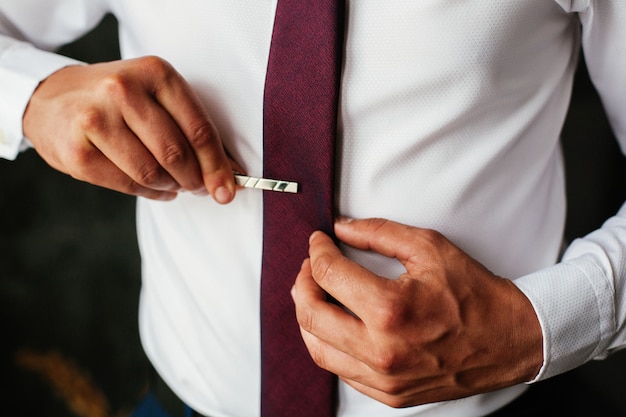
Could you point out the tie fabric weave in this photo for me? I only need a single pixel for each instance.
(300, 123)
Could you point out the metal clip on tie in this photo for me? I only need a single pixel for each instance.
(266, 183)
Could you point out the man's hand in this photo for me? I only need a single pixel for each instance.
(447, 328)
(133, 126)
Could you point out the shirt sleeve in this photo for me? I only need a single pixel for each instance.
(581, 302)
(27, 33)
(22, 67)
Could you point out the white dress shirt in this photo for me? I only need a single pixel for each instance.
(449, 119)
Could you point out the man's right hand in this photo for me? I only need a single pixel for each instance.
(134, 126)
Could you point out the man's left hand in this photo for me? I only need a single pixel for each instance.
(447, 328)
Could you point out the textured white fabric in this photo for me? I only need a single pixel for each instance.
(21, 69)
(450, 118)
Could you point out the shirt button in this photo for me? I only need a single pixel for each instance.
(3, 138)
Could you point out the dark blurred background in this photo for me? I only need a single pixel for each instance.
(69, 285)
(69, 274)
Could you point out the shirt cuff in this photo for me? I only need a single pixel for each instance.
(573, 301)
(22, 68)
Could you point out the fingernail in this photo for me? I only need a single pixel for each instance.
(344, 219)
(166, 196)
(223, 195)
(172, 186)
(200, 192)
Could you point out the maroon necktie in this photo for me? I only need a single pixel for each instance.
(300, 123)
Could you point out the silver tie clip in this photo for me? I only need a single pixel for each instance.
(266, 184)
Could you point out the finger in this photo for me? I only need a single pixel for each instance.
(126, 151)
(395, 401)
(177, 97)
(388, 238)
(394, 390)
(162, 137)
(406, 393)
(357, 288)
(325, 320)
(102, 172)
(335, 360)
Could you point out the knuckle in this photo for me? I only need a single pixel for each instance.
(394, 390)
(323, 267)
(91, 120)
(432, 237)
(396, 401)
(376, 223)
(161, 73)
(202, 134)
(116, 86)
(120, 85)
(385, 362)
(173, 154)
(306, 319)
(80, 161)
(392, 314)
(149, 175)
(429, 250)
(156, 66)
